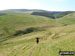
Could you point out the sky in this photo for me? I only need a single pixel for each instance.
(51, 5)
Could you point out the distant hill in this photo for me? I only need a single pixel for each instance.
(23, 10)
(1, 14)
(52, 14)
(38, 12)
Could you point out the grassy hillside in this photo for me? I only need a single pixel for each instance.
(9, 24)
(53, 34)
(51, 41)
(16, 12)
(68, 19)
(52, 14)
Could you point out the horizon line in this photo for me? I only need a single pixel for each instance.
(35, 9)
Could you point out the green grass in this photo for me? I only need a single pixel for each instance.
(26, 45)
(68, 19)
(12, 23)
(54, 38)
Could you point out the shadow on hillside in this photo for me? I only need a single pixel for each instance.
(22, 32)
(28, 30)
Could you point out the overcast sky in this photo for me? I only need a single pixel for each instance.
(51, 5)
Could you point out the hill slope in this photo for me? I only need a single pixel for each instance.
(68, 19)
(9, 24)
(50, 43)
(50, 14)
(53, 36)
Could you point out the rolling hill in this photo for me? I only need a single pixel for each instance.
(52, 14)
(68, 19)
(54, 34)
(38, 12)
(9, 24)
